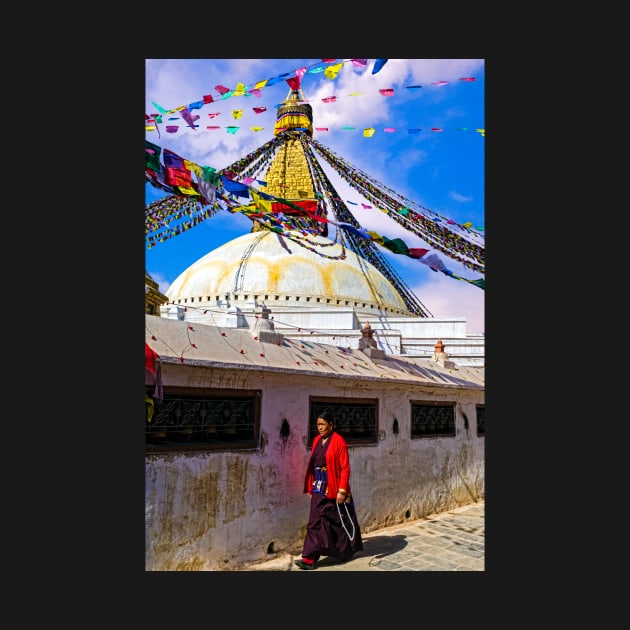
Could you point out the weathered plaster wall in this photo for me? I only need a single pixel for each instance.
(222, 510)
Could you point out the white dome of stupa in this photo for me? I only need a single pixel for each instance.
(293, 271)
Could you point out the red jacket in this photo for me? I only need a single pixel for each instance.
(337, 463)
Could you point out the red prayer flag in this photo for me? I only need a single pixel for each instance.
(149, 357)
(417, 252)
(207, 98)
(177, 177)
(294, 83)
(387, 92)
(308, 205)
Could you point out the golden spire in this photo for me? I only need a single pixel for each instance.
(294, 113)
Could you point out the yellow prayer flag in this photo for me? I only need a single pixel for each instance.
(248, 209)
(261, 84)
(194, 167)
(368, 132)
(264, 205)
(239, 90)
(187, 191)
(256, 128)
(332, 71)
(237, 113)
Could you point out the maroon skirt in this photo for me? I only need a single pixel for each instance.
(329, 535)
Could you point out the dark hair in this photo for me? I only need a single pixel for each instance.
(325, 415)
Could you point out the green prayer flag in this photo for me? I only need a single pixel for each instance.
(396, 245)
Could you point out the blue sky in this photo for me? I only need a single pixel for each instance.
(443, 171)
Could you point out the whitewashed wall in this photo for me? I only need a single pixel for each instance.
(223, 510)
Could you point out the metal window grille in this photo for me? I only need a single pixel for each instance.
(355, 419)
(481, 419)
(211, 421)
(432, 420)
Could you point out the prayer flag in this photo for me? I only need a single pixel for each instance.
(332, 71)
(177, 176)
(396, 245)
(294, 83)
(240, 190)
(208, 191)
(152, 156)
(378, 64)
(159, 108)
(172, 160)
(417, 252)
(187, 117)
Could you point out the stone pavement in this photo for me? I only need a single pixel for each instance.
(449, 541)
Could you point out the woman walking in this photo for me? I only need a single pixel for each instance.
(332, 528)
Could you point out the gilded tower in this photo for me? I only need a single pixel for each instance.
(289, 176)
